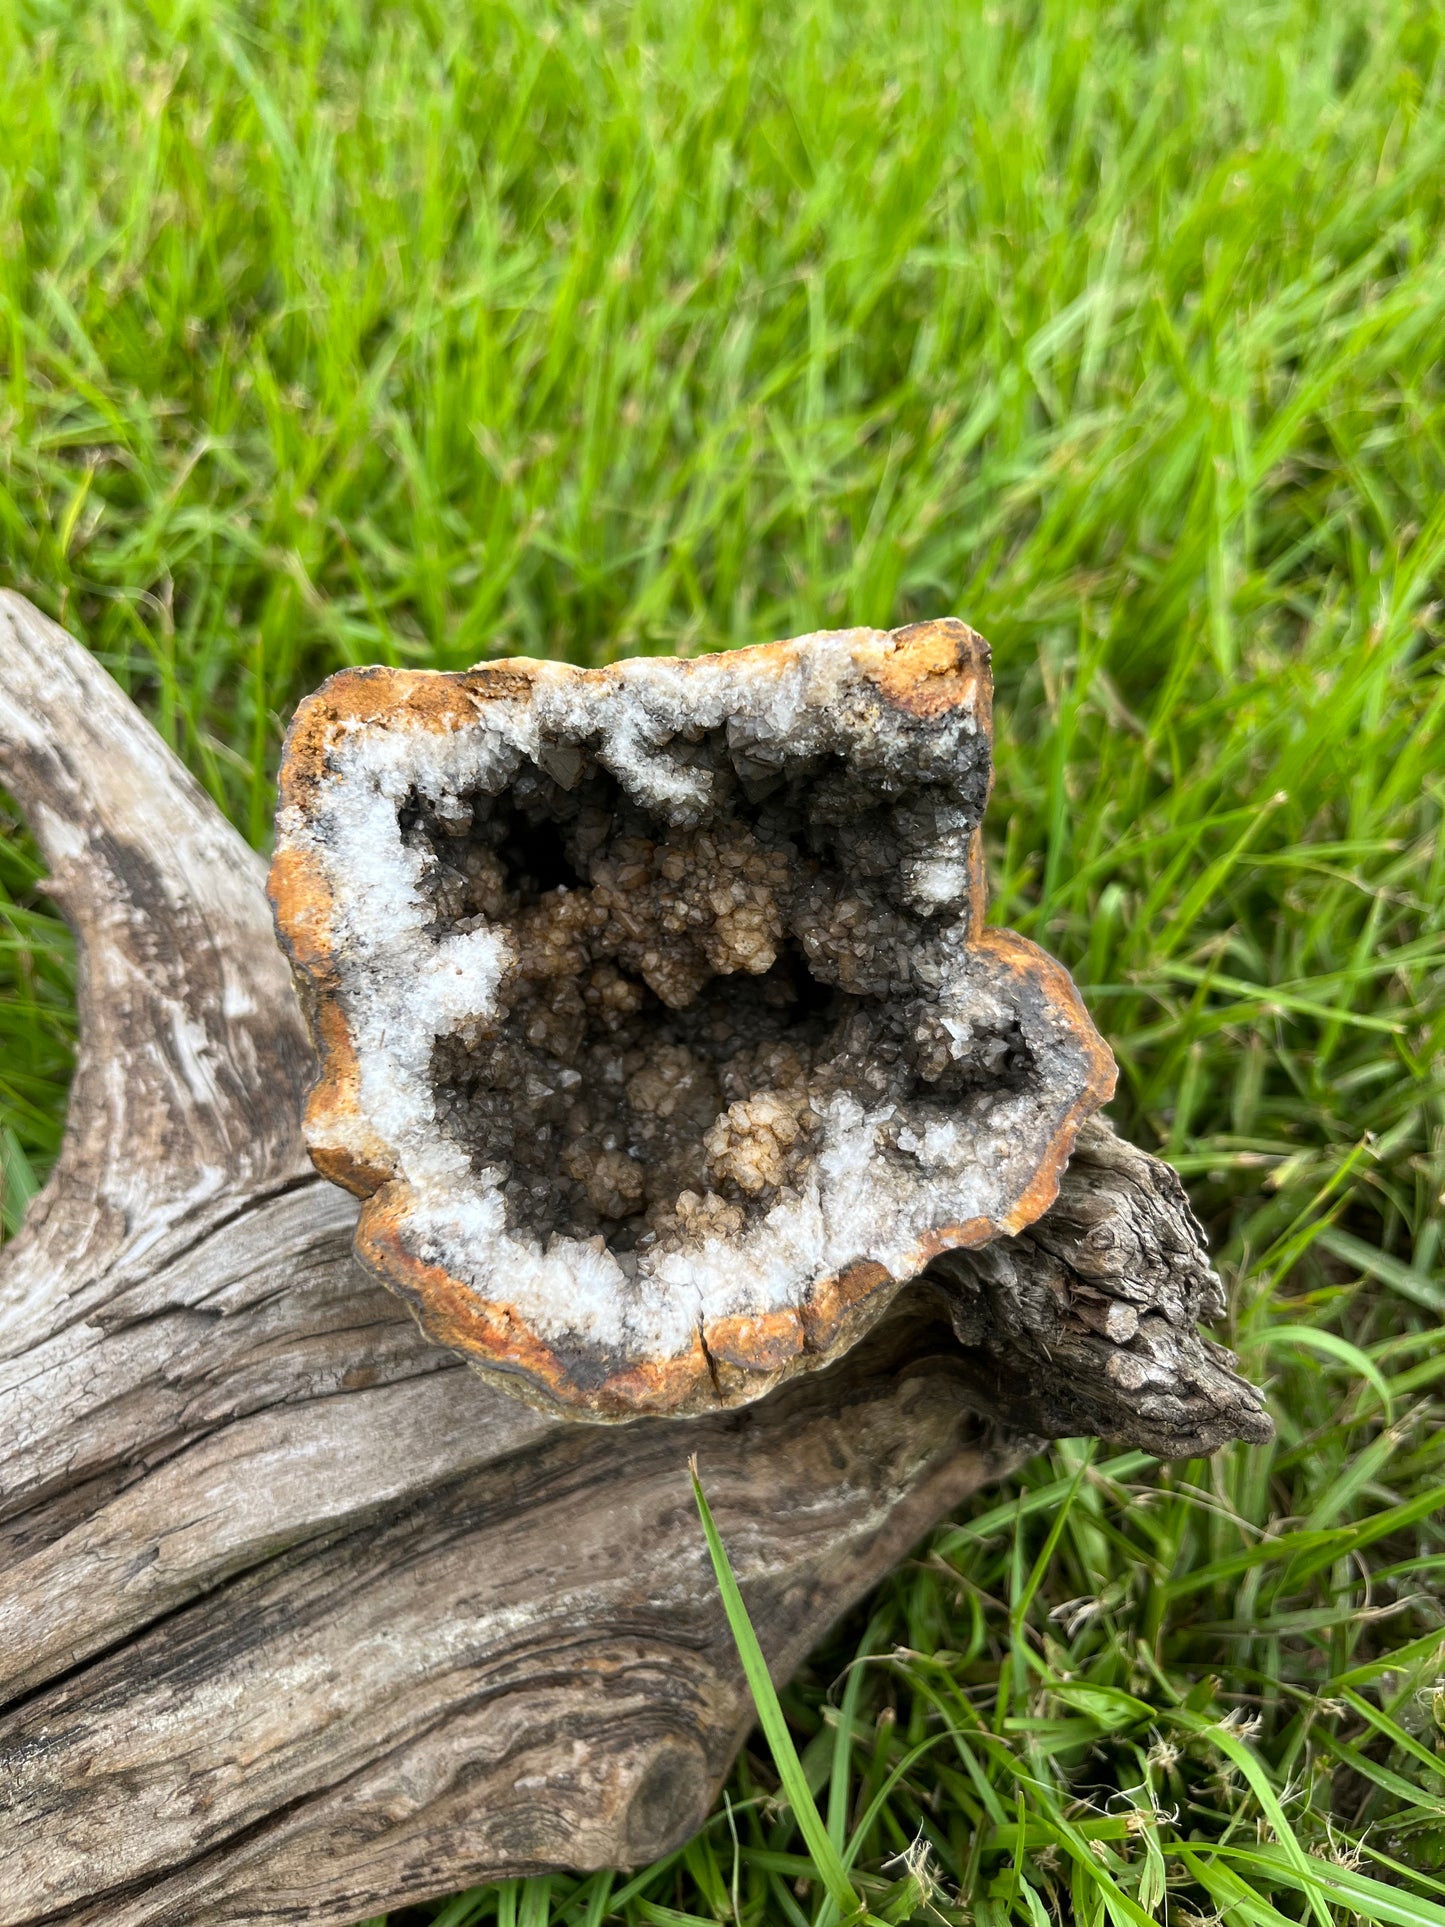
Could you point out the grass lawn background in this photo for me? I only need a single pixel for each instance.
(338, 333)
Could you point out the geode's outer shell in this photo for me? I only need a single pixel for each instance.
(657, 1020)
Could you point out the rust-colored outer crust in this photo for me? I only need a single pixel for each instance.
(931, 668)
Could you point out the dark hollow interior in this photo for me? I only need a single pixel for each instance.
(684, 999)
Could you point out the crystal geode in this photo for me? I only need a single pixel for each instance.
(658, 1023)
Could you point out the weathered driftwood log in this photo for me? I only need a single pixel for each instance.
(298, 1617)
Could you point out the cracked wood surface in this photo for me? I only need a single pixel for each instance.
(298, 1618)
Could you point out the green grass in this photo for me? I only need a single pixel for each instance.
(417, 333)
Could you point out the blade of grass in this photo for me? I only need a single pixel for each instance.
(772, 1719)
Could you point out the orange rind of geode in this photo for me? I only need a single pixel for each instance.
(908, 708)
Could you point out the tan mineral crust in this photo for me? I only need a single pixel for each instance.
(658, 1023)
